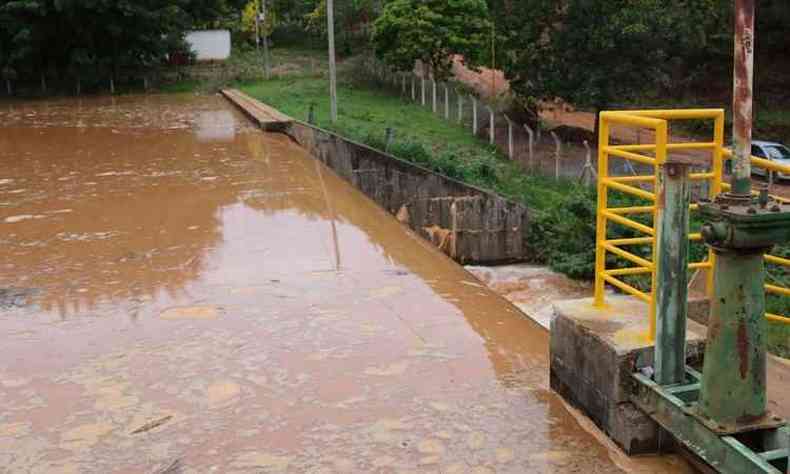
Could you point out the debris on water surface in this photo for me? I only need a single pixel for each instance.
(174, 467)
(223, 392)
(190, 312)
(267, 461)
(152, 425)
(16, 297)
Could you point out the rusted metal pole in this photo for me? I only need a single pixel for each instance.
(743, 89)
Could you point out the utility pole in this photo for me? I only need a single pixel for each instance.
(266, 65)
(330, 28)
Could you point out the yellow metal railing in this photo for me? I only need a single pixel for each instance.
(642, 188)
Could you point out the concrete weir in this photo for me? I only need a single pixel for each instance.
(469, 224)
(593, 354)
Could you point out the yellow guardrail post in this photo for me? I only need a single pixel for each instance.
(603, 203)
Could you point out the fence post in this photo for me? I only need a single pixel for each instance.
(531, 145)
(403, 85)
(422, 84)
(79, 86)
(474, 114)
(460, 106)
(433, 89)
(112, 86)
(557, 153)
(492, 125)
(8, 87)
(509, 136)
(145, 83)
(311, 114)
(413, 88)
(43, 84)
(446, 102)
(589, 170)
(388, 138)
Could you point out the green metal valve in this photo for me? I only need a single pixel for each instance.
(740, 229)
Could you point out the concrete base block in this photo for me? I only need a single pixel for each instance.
(594, 351)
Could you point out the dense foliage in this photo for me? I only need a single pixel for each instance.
(74, 38)
(593, 54)
(431, 31)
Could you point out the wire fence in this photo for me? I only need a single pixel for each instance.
(536, 149)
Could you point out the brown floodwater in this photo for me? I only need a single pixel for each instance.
(180, 292)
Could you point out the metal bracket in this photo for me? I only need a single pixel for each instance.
(674, 408)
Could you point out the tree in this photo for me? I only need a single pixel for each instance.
(433, 32)
(352, 18)
(597, 53)
(69, 37)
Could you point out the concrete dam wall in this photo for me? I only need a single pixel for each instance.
(470, 225)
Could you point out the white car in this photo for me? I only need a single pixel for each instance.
(771, 151)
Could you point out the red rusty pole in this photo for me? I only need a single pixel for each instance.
(743, 97)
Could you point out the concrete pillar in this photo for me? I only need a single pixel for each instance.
(474, 115)
(531, 138)
(509, 137)
(460, 107)
(557, 154)
(446, 102)
(492, 126)
(433, 89)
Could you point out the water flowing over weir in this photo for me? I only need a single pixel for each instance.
(180, 292)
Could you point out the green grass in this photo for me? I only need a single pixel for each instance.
(366, 110)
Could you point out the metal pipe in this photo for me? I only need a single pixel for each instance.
(743, 90)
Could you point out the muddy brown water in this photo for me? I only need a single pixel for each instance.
(187, 294)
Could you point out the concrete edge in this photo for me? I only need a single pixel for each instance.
(291, 120)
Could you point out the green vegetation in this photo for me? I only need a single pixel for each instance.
(433, 32)
(91, 40)
(366, 110)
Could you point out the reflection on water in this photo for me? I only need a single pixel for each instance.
(207, 297)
